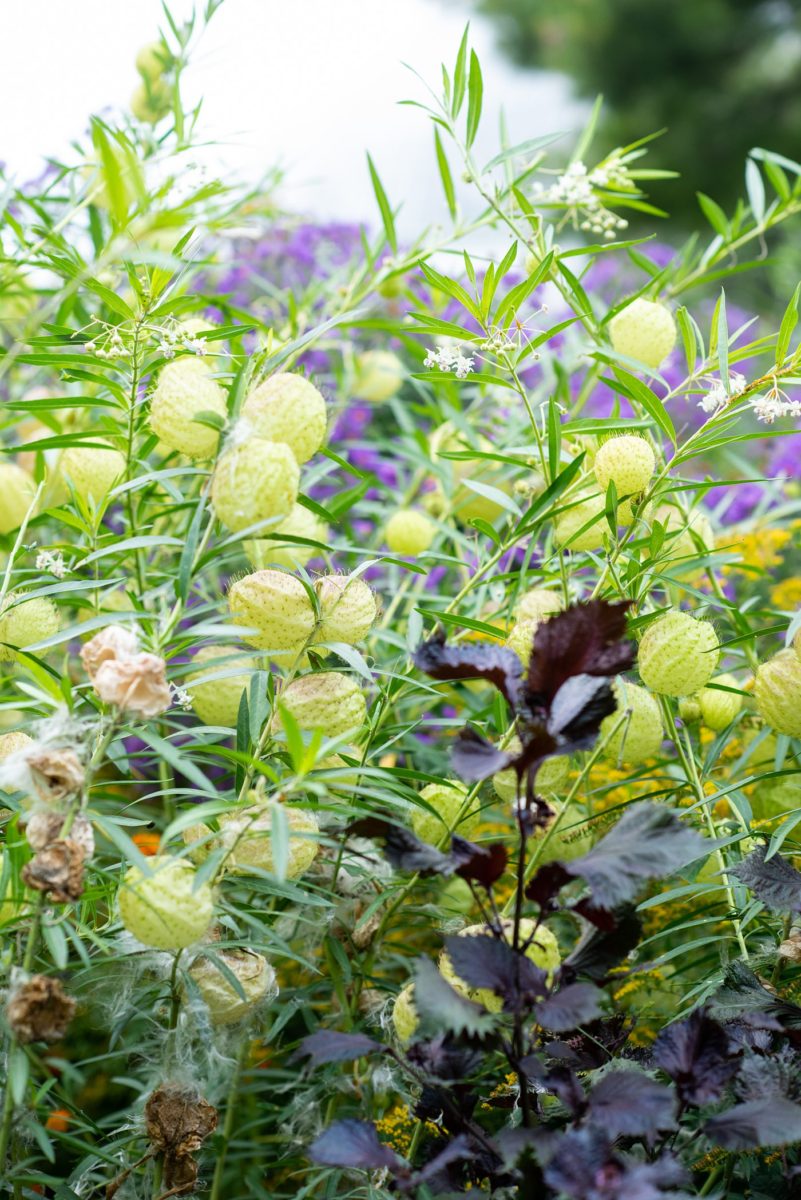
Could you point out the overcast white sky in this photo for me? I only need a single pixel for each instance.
(307, 83)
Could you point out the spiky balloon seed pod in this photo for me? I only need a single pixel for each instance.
(92, 470)
(17, 490)
(538, 603)
(543, 952)
(328, 701)
(687, 535)
(777, 691)
(447, 800)
(151, 101)
(626, 461)
(347, 609)
(288, 409)
(405, 1018)
(254, 481)
(247, 835)
(718, 709)
(409, 532)
(552, 776)
(153, 60)
(644, 330)
(164, 908)
(186, 389)
(639, 735)
(379, 376)
(216, 699)
(678, 654)
(225, 1003)
(521, 639)
(278, 607)
(271, 552)
(586, 510)
(24, 622)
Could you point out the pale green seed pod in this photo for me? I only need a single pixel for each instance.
(153, 60)
(17, 490)
(24, 623)
(254, 481)
(246, 836)
(288, 409)
(225, 1004)
(405, 1018)
(678, 655)
(409, 532)
(718, 709)
(626, 461)
(644, 330)
(327, 701)
(543, 952)
(272, 552)
(537, 604)
(521, 639)
(641, 733)
(217, 697)
(186, 389)
(347, 609)
(447, 799)
(164, 908)
(379, 376)
(777, 691)
(151, 101)
(569, 525)
(278, 608)
(466, 504)
(91, 470)
(552, 776)
(686, 535)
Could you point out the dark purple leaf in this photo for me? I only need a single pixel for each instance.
(571, 1006)
(327, 1046)
(482, 864)
(602, 949)
(771, 1121)
(441, 1006)
(628, 1103)
(775, 882)
(742, 998)
(585, 639)
(473, 757)
(402, 848)
(559, 1081)
(496, 664)
(443, 1058)
(648, 842)
(484, 961)
(578, 709)
(545, 885)
(698, 1056)
(456, 1150)
(592, 1047)
(585, 1167)
(351, 1143)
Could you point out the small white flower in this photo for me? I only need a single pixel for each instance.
(717, 397)
(450, 358)
(181, 697)
(51, 561)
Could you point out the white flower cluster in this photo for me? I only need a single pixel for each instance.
(717, 397)
(575, 188)
(450, 358)
(51, 561)
(112, 347)
(773, 405)
(172, 340)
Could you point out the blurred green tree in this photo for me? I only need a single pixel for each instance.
(721, 76)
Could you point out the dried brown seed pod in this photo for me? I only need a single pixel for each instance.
(43, 828)
(39, 1010)
(57, 870)
(178, 1121)
(56, 774)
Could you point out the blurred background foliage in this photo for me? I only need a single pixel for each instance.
(719, 76)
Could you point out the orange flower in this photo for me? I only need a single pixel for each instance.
(147, 843)
(59, 1120)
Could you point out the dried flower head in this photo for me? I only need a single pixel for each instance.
(136, 685)
(39, 1010)
(112, 643)
(178, 1121)
(45, 827)
(56, 774)
(57, 870)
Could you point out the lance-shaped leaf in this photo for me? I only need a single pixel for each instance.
(774, 881)
(698, 1056)
(497, 665)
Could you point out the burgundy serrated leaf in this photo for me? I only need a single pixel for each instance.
(497, 665)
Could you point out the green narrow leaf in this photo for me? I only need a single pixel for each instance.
(445, 174)
(554, 438)
(475, 98)
(789, 322)
(384, 207)
(460, 75)
(638, 391)
(755, 187)
(714, 214)
(721, 336)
